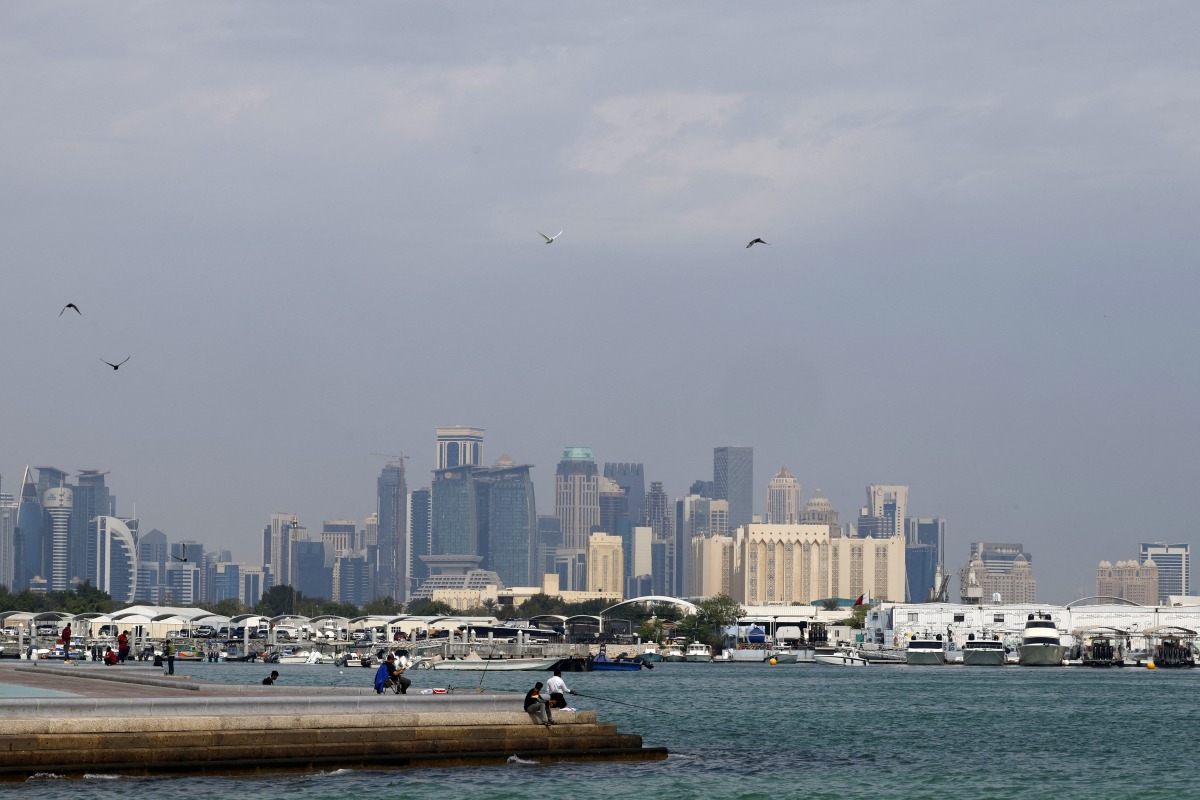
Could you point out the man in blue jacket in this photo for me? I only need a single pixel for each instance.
(388, 674)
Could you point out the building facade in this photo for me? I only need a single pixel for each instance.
(577, 506)
(392, 508)
(1128, 580)
(606, 564)
(1174, 562)
(783, 499)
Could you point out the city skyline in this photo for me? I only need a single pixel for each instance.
(313, 229)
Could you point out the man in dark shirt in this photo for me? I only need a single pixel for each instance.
(270, 679)
(534, 704)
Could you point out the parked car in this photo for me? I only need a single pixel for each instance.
(285, 633)
(11, 631)
(204, 631)
(47, 630)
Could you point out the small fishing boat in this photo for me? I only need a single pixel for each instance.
(303, 657)
(649, 654)
(984, 650)
(926, 650)
(674, 654)
(698, 653)
(841, 658)
(602, 663)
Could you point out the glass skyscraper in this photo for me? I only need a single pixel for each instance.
(393, 521)
(733, 480)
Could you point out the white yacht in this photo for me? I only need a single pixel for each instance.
(1041, 645)
(844, 657)
(698, 652)
(984, 650)
(926, 650)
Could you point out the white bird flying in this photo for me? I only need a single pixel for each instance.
(550, 239)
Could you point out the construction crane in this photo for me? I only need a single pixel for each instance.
(395, 459)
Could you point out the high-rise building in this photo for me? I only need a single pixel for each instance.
(659, 516)
(631, 478)
(420, 531)
(340, 536)
(510, 532)
(783, 499)
(277, 548)
(549, 540)
(639, 571)
(1001, 576)
(577, 506)
(29, 536)
(91, 500)
(924, 543)
(695, 517)
(459, 446)
(153, 554)
(455, 518)
(58, 502)
(712, 566)
(733, 480)
(606, 565)
(224, 579)
(116, 550)
(1174, 562)
(8, 526)
(314, 570)
(393, 532)
(884, 514)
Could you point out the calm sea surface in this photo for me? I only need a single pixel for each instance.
(756, 731)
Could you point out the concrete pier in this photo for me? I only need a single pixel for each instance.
(133, 721)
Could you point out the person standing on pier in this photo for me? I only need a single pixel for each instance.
(169, 652)
(558, 690)
(123, 647)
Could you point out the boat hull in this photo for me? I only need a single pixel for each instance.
(983, 658)
(926, 658)
(498, 664)
(840, 659)
(1041, 655)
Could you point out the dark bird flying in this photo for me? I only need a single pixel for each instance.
(71, 305)
(754, 242)
(115, 366)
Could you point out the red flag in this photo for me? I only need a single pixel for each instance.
(859, 601)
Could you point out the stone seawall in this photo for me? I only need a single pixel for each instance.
(230, 735)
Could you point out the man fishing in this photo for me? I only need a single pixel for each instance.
(558, 690)
(534, 704)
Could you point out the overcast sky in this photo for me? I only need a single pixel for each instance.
(313, 228)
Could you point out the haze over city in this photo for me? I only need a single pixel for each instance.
(314, 231)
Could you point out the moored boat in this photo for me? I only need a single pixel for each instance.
(698, 652)
(1041, 646)
(674, 653)
(846, 657)
(926, 651)
(649, 654)
(984, 650)
(496, 664)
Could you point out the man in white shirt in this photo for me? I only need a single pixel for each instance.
(558, 690)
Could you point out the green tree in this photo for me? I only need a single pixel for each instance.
(383, 606)
(429, 608)
(229, 607)
(830, 604)
(693, 628)
(279, 600)
(720, 611)
(651, 630)
(858, 616)
(347, 610)
(542, 604)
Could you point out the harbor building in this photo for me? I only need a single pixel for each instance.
(803, 563)
(783, 499)
(1174, 563)
(733, 480)
(1129, 580)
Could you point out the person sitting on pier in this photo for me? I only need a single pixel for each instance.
(270, 679)
(110, 657)
(389, 676)
(536, 706)
(558, 690)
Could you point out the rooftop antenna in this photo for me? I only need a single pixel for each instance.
(395, 459)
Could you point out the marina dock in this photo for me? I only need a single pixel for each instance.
(136, 721)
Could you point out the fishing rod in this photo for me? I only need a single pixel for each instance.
(631, 705)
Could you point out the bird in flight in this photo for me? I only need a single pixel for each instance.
(115, 366)
(71, 305)
(550, 239)
(754, 242)
(183, 546)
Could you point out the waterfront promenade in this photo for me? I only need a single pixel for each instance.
(84, 719)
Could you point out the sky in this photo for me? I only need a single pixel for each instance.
(313, 228)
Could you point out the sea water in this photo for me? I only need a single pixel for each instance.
(791, 730)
